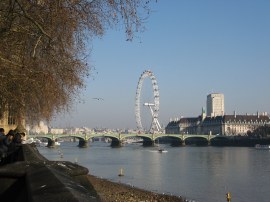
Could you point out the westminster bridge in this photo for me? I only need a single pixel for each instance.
(118, 139)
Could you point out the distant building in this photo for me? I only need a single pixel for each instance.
(40, 128)
(223, 125)
(82, 130)
(56, 130)
(215, 104)
(215, 122)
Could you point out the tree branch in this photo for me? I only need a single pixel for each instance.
(32, 20)
(8, 61)
(34, 51)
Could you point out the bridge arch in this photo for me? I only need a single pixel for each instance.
(52, 138)
(147, 141)
(172, 140)
(221, 141)
(115, 141)
(198, 141)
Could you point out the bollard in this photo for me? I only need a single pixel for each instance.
(228, 196)
(121, 173)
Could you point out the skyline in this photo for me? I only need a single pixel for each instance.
(193, 49)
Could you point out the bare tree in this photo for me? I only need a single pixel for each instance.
(42, 49)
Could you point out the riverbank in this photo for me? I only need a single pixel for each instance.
(116, 192)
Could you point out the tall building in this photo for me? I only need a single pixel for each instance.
(215, 104)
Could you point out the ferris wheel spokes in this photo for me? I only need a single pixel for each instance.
(155, 126)
(153, 106)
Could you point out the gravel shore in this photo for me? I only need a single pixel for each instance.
(117, 192)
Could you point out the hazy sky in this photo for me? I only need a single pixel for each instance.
(193, 48)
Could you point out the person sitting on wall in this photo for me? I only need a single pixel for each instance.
(23, 137)
(2, 131)
(9, 138)
(13, 142)
(19, 134)
(3, 147)
(9, 142)
(17, 138)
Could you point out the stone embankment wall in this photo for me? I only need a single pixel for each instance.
(239, 141)
(31, 177)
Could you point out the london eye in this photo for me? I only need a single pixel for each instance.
(152, 105)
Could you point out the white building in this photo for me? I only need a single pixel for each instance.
(215, 104)
(38, 129)
(56, 130)
(229, 125)
(83, 130)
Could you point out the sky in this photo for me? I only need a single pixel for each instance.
(193, 48)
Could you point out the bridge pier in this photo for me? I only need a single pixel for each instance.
(51, 143)
(83, 143)
(148, 143)
(177, 143)
(116, 143)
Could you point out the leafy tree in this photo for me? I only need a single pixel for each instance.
(262, 131)
(43, 49)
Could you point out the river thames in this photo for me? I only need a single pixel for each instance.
(201, 174)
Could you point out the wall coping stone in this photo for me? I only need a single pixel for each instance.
(46, 180)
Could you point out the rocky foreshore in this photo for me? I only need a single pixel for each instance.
(116, 192)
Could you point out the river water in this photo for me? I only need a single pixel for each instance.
(201, 174)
